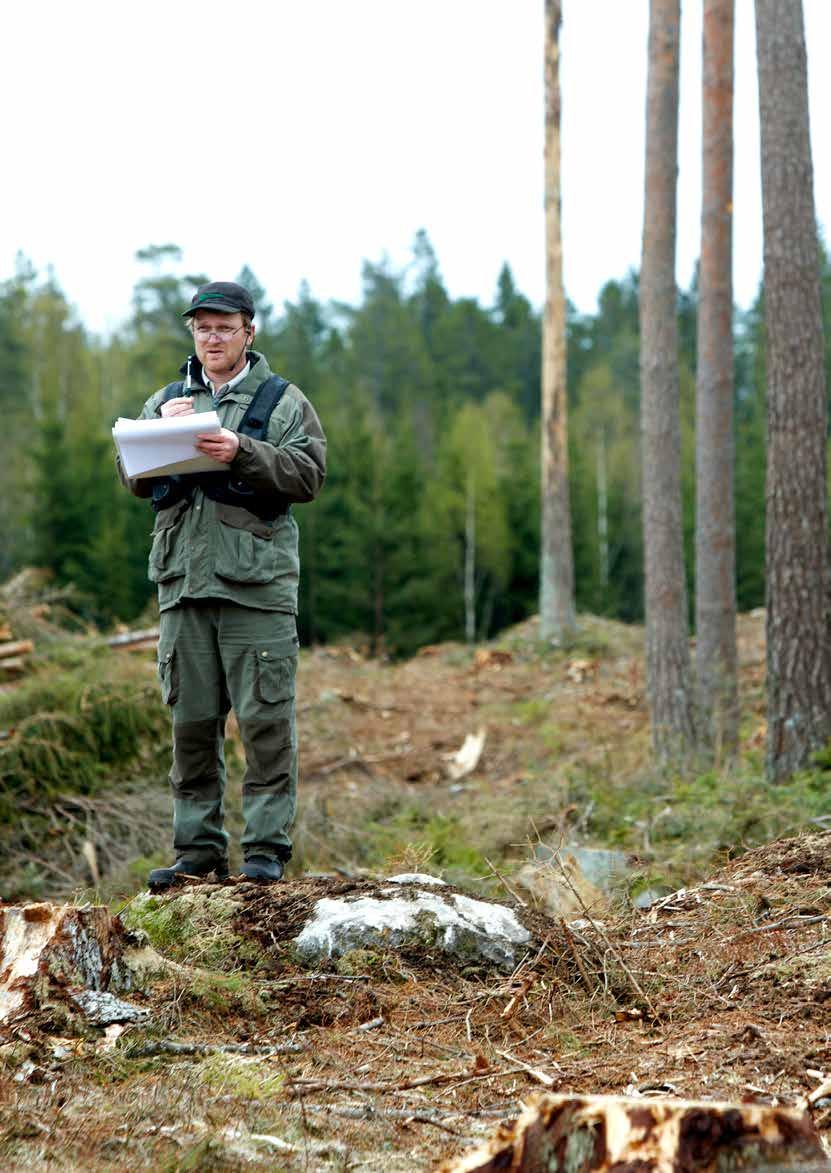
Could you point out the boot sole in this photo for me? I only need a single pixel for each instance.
(161, 884)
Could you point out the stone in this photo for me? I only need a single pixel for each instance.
(607, 870)
(472, 931)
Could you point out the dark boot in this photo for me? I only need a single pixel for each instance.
(263, 869)
(163, 877)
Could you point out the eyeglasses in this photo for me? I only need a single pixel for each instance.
(223, 333)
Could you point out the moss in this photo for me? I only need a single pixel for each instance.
(209, 1153)
(225, 993)
(358, 961)
(193, 927)
(250, 1078)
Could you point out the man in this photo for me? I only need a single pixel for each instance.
(225, 558)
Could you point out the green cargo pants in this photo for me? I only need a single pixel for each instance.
(213, 656)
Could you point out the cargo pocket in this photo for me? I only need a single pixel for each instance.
(166, 562)
(275, 670)
(168, 673)
(245, 549)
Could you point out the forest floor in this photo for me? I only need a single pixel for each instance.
(721, 989)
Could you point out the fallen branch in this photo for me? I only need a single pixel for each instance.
(370, 1112)
(359, 702)
(534, 1072)
(788, 922)
(508, 888)
(171, 1047)
(353, 759)
(317, 1085)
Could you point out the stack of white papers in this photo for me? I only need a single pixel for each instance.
(160, 447)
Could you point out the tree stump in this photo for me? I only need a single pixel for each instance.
(579, 1134)
(47, 950)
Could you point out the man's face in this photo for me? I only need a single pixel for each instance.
(220, 339)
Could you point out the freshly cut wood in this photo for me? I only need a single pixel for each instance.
(603, 1133)
(125, 638)
(52, 950)
(14, 665)
(19, 647)
(5, 631)
(466, 759)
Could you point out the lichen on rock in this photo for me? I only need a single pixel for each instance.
(468, 930)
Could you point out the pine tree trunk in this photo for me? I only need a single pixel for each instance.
(667, 648)
(715, 610)
(556, 560)
(796, 553)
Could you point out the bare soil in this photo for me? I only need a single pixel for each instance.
(720, 990)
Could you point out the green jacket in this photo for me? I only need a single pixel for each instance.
(206, 549)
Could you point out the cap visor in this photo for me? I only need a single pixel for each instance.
(223, 307)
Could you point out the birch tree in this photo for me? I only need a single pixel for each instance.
(796, 546)
(667, 648)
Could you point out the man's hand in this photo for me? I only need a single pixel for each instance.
(181, 406)
(222, 445)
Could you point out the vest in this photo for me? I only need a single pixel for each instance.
(222, 486)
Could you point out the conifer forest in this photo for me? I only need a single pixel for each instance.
(431, 408)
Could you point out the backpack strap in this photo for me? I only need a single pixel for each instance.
(256, 419)
(168, 490)
(172, 391)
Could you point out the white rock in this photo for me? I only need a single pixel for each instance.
(417, 878)
(471, 930)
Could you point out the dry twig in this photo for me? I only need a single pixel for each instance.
(318, 1085)
(534, 1072)
(601, 932)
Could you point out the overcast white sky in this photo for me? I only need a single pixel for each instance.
(302, 137)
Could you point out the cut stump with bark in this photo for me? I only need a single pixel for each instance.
(580, 1134)
(52, 952)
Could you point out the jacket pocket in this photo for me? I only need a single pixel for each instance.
(245, 549)
(168, 673)
(275, 669)
(166, 555)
